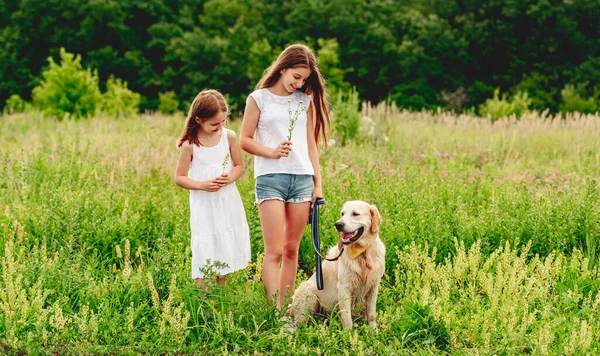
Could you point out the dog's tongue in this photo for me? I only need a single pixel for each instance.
(347, 235)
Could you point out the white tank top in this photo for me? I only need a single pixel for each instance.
(272, 129)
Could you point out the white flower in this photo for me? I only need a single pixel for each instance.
(331, 142)
(294, 116)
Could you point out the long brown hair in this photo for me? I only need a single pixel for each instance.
(299, 55)
(206, 105)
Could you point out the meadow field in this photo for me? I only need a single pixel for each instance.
(492, 235)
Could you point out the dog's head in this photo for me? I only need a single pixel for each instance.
(358, 219)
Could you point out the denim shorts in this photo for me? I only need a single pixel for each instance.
(289, 188)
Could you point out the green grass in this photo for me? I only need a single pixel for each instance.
(491, 231)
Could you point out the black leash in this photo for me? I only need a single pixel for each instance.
(314, 221)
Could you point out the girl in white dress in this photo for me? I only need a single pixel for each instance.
(210, 162)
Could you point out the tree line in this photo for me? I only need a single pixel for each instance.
(416, 53)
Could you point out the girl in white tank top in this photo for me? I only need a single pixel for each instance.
(284, 120)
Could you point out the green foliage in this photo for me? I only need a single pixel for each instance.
(490, 231)
(572, 101)
(118, 100)
(496, 108)
(329, 63)
(543, 90)
(15, 104)
(346, 115)
(419, 53)
(95, 259)
(167, 103)
(419, 327)
(260, 58)
(66, 89)
(587, 75)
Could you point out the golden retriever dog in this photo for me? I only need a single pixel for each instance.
(353, 279)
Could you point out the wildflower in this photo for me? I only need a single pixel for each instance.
(331, 142)
(225, 162)
(294, 116)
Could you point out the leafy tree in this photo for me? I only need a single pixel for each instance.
(260, 57)
(420, 53)
(329, 63)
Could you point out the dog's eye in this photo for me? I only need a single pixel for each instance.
(355, 214)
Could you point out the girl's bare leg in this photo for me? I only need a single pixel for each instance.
(296, 215)
(272, 220)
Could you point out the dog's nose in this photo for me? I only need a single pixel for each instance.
(339, 226)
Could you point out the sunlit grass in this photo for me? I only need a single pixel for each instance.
(491, 230)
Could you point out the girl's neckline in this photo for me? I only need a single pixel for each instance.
(280, 96)
(218, 142)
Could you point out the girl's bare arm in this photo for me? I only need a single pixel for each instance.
(181, 178)
(247, 142)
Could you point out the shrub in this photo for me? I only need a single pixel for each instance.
(346, 115)
(499, 107)
(66, 89)
(15, 104)
(573, 101)
(119, 100)
(168, 103)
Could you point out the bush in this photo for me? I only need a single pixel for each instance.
(542, 89)
(119, 100)
(168, 103)
(572, 101)
(67, 89)
(346, 115)
(497, 108)
(15, 104)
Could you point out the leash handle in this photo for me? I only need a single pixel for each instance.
(316, 241)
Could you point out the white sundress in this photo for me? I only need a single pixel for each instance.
(217, 219)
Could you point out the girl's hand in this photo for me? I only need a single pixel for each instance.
(317, 193)
(210, 185)
(283, 150)
(223, 179)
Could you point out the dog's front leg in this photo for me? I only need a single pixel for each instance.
(345, 306)
(371, 305)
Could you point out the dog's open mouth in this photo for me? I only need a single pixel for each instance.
(350, 237)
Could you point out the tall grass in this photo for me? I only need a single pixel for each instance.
(491, 230)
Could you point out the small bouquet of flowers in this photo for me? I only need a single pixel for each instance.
(293, 114)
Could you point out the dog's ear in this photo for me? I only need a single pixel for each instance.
(375, 219)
